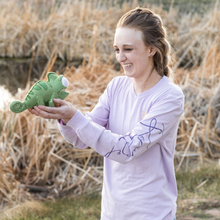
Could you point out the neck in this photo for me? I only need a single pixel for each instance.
(147, 82)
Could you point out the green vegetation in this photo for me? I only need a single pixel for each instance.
(78, 208)
(193, 187)
(203, 182)
(199, 193)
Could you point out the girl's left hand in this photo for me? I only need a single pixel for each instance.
(64, 111)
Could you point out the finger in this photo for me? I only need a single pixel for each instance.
(60, 101)
(33, 111)
(40, 112)
(47, 109)
(57, 105)
(46, 114)
(30, 110)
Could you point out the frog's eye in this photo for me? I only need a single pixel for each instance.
(65, 82)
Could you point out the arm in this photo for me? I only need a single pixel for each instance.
(155, 126)
(98, 115)
(162, 118)
(65, 110)
(70, 136)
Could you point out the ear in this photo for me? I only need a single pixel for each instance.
(152, 51)
(51, 76)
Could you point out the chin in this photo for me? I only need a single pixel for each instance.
(128, 74)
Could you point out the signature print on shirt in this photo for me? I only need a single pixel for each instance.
(129, 139)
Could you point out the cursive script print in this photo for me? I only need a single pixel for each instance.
(140, 138)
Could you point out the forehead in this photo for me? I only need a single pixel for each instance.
(124, 36)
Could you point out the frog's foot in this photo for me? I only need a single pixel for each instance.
(51, 103)
(40, 100)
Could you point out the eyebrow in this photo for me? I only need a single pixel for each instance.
(124, 45)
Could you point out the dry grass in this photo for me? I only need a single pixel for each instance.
(18, 210)
(34, 156)
(73, 27)
(67, 26)
(33, 153)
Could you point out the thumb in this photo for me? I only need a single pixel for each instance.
(59, 101)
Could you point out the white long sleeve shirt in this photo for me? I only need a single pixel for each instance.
(137, 137)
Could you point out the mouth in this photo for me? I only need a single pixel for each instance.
(63, 90)
(127, 65)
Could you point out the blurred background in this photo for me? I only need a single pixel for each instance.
(74, 38)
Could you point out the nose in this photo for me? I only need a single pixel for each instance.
(121, 57)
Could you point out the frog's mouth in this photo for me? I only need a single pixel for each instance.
(63, 90)
(63, 94)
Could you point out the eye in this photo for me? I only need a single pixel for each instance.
(128, 49)
(116, 50)
(65, 82)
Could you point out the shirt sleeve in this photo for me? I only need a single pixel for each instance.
(157, 123)
(99, 115)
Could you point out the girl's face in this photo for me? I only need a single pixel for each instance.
(131, 52)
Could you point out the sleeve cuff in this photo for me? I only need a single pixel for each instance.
(78, 121)
(61, 122)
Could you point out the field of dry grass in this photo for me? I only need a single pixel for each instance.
(33, 155)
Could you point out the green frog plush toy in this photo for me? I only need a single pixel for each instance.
(43, 93)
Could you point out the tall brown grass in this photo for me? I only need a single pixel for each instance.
(33, 155)
(68, 26)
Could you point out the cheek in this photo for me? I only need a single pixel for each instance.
(117, 57)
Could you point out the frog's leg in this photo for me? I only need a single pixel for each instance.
(51, 102)
(40, 100)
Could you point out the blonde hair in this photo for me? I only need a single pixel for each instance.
(154, 35)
